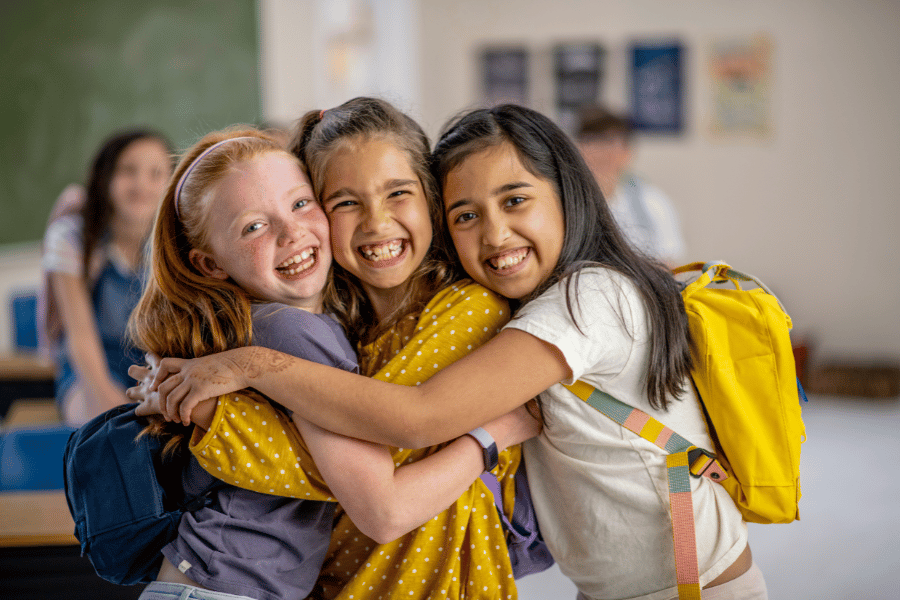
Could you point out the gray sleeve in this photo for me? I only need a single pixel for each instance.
(302, 334)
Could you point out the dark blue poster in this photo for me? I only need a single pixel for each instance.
(656, 87)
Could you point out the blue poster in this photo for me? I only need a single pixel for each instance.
(656, 87)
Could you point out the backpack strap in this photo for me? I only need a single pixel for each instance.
(518, 537)
(683, 461)
(202, 499)
(720, 271)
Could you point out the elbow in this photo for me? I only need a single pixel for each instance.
(382, 524)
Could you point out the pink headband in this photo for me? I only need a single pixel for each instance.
(194, 163)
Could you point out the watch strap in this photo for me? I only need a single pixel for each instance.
(488, 447)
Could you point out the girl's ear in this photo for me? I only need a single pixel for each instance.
(206, 264)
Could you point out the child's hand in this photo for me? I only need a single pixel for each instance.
(141, 393)
(515, 426)
(184, 383)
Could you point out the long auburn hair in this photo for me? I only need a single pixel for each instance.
(97, 210)
(182, 312)
(318, 136)
(591, 234)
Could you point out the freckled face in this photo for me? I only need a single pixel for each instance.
(506, 223)
(268, 233)
(380, 225)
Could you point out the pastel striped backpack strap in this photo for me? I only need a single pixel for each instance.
(683, 461)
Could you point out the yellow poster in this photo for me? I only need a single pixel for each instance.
(741, 79)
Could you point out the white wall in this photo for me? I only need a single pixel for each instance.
(316, 54)
(813, 212)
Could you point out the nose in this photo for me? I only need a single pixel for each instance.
(290, 231)
(495, 230)
(376, 218)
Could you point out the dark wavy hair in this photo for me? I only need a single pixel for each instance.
(591, 234)
(317, 137)
(97, 210)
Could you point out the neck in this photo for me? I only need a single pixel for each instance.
(385, 301)
(312, 305)
(128, 237)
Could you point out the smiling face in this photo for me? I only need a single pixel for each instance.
(506, 223)
(139, 180)
(268, 233)
(380, 226)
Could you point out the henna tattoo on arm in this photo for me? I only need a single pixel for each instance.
(259, 361)
(214, 374)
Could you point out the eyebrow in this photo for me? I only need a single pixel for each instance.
(341, 192)
(395, 183)
(506, 187)
(389, 185)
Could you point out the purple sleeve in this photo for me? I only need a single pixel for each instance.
(314, 337)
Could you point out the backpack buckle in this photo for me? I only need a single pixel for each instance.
(703, 463)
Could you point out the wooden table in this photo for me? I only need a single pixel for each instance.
(41, 558)
(38, 518)
(24, 376)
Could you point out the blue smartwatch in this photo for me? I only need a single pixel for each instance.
(488, 447)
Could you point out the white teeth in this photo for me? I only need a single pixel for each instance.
(509, 260)
(299, 259)
(382, 251)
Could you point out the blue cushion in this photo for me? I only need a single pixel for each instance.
(32, 458)
(24, 313)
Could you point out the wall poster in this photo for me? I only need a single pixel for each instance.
(657, 81)
(578, 77)
(504, 75)
(741, 79)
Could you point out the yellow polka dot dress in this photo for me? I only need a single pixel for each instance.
(461, 552)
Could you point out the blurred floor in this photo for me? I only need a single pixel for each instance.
(847, 545)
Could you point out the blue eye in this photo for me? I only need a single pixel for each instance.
(301, 203)
(252, 227)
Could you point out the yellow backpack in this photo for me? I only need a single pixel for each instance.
(745, 377)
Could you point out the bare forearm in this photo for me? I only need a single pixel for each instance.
(416, 492)
(83, 342)
(480, 387)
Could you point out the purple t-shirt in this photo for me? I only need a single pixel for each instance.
(251, 544)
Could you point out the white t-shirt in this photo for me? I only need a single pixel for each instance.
(64, 249)
(648, 219)
(599, 490)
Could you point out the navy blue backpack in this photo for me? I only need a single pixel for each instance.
(125, 498)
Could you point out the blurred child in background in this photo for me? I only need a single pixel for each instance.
(92, 261)
(643, 212)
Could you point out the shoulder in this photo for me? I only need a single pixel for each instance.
(63, 246)
(593, 297)
(459, 318)
(68, 227)
(465, 295)
(593, 283)
(656, 201)
(592, 317)
(467, 301)
(315, 337)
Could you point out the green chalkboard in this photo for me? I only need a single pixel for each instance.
(74, 71)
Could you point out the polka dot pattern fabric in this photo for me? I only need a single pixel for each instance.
(460, 553)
